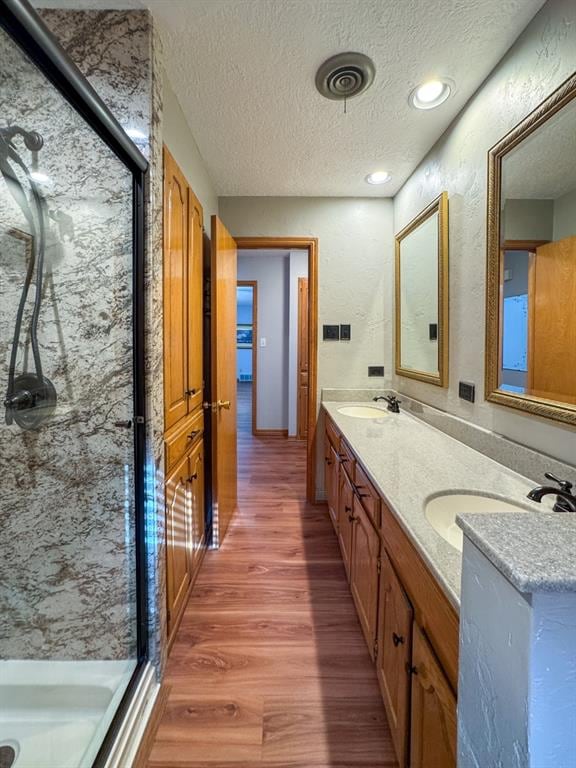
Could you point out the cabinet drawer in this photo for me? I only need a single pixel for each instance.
(368, 495)
(332, 434)
(347, 459)
(178, 441)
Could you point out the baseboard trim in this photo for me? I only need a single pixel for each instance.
(271, 432)
(143, 753)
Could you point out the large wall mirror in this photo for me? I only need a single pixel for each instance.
(422, 295)
(531, 291)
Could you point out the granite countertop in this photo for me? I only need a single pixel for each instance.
(535, 555)
(411, 462)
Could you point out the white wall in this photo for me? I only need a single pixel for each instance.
(270, 272)
(243, 356)
(355, 249)
(298, 268)
(565, 216)
(180, 141)
(542, 58)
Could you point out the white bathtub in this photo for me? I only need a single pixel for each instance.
(55, 714)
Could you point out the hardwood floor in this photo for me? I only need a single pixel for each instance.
(269, 668)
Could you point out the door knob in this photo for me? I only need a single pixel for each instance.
(224, 404)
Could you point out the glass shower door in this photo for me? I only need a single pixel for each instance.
(68, 588)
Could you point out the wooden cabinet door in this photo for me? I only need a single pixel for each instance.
(433, 721)
(394, 656)
(364, 572)
(178, 536)
(175, 292)
(345, 517)
(196, 480)
(195, 312)
(332, 469)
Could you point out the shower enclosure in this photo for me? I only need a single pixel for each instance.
(72, 593)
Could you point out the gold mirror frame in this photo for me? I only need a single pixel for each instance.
(439, 205)
(538, 406)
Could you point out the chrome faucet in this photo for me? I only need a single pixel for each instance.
(392, 400)
(565, 499)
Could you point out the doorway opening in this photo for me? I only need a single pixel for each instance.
(276, 339)
(272, 342)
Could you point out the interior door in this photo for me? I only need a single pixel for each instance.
(551, 339)
(302, 357)
(223, 337)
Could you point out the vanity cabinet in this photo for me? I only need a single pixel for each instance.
(410, 627)
(364, 569)
(183, 389)
(394, 656)
(331, 466)
(433, 713)
(345, 519)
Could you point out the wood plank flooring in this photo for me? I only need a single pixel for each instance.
(269, 668)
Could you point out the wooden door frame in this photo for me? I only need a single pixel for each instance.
(309, 244)
(301, 280)
(254, 285)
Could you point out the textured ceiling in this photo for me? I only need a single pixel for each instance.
(243, 71)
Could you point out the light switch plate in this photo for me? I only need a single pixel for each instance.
(330, 332)
(345, 333)
(263, 341)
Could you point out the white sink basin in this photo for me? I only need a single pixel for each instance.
(441, 512)
(362, 411)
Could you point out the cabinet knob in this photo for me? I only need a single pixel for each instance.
(190, 392)
(397, 639)
(343, 458)
(193, 434)
(328, 462)
(347, 508)
(193, 477)
(412, 670)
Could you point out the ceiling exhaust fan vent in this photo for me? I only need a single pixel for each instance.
(345, 75)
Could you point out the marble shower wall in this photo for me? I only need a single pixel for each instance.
(69, 560)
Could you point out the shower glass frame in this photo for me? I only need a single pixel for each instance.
(25, 27)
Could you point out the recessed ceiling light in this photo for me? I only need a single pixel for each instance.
(378, 177)
(430, 94)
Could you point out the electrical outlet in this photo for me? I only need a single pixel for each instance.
(330, 332)
(433, 331)
(375, 370)
(467, 391)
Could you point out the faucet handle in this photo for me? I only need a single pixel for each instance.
(564, 484)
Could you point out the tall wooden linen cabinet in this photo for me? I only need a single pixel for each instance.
(183, 390)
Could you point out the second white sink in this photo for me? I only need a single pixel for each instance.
(362, 411)
(441, 512)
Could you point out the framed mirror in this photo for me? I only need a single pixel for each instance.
(422, 295)
(531, 254)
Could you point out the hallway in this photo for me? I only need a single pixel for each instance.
(270, 667)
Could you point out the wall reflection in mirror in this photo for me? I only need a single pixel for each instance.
(538, 262)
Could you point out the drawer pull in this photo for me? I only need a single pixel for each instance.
(343, 458)
(397, 639)
(193, 477)
(123, 424)
(190, 392)
(193, 434)
(347, 508)
(328, 462)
